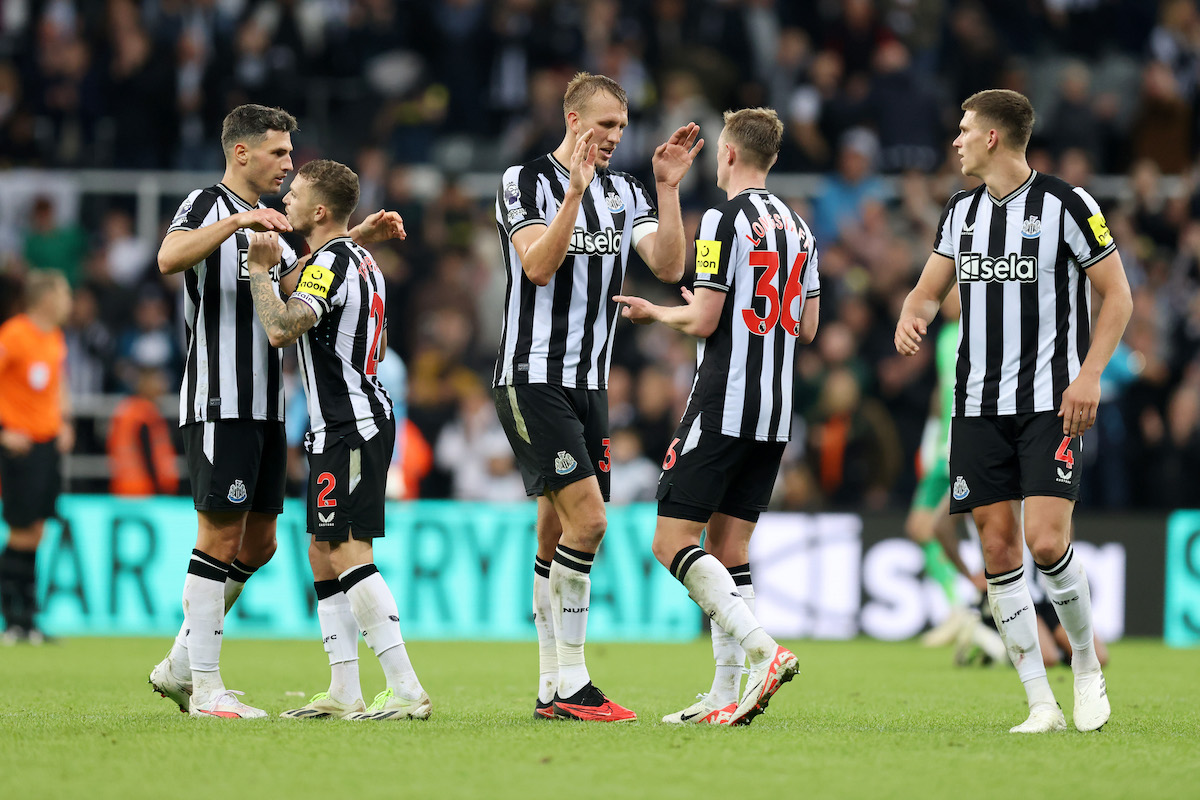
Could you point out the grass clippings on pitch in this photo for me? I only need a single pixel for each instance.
(863, 719)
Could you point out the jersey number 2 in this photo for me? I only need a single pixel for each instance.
(765, 288)
(376, 317)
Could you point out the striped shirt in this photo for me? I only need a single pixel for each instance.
(561, 333)
(1021, 266)
(231, 372)
(763, 255)
(339, 355)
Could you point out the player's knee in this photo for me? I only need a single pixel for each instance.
(1000, 555)
(1047, 548)
(664, 549)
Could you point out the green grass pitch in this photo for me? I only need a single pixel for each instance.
(863, 719)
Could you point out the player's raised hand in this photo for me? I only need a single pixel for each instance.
(381, 226)
(674, 157)
(636, 310)
(688, 296)
(583, 162)
(1079, 403)
(264, 219)
(264, 250)
(909, 331)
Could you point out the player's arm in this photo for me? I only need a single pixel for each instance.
(698, 316)
(379, 227)
(1081, 399)
(810, 317)
(181, 250)
(283, 322)
(923, 302)
(66, 429)
(542, 248)
(664, 249)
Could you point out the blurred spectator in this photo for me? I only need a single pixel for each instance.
(475, 451)
(1162, 124)
(51, 243)
(129, 258)
(151, 341)
(1072, 121)
(904, 108)
(140, 453)
(634, 475)
(839, 204)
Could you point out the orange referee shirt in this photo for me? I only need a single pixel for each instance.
(31, 366)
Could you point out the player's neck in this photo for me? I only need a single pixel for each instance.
(565, 149)
(740, 181)
(1005, 175)
(242, 188)
(42, 319)
(323, 235)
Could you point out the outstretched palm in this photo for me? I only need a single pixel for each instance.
(583, 162)
(674, 157)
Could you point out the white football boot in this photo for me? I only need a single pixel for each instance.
(390, 706)
(1043, 718)
(704, 711)
(226, 706)
(322, 706)
(163, 681)
(1091, 702)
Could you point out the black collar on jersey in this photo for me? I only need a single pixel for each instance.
(326, 245)
(558, 165)
(1004, 200)
(236, 197)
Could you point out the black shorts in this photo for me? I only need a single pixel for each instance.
(30, 484)
(346, 487)
(236, 464)
(1010, 458)
(706, 472)
(558, 435)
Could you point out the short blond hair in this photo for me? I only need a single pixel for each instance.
(41, 282)
(584, 86)
(758, 132)
(335, 184)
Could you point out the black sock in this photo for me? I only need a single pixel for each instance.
(23, 568)
(9, 596)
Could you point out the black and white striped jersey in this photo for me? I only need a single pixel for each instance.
(232, 372)
(561, 333)
(339, 355)
(759, 251)
(1021, 265)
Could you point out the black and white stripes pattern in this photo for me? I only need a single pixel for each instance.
(767, 264)
(741, 575)
(1021, 265)
(231, 371)
(338, 355)
(578, 560)
(684, 560)
(202, 565)
(1060, 565)
(561, 333)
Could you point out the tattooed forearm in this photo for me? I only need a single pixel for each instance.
(284, 323)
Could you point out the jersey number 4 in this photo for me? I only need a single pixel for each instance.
(777, 311)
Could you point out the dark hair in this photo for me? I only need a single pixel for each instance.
(758, 131)
(1010, 111)
(585, 85)
(250, 123)
(335, 184)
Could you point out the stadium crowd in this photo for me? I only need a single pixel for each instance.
(869, 91)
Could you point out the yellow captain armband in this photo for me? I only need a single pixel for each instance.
(1100, 229)
(316, 281)
(708, 256)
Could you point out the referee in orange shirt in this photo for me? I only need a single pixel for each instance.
(34, 432)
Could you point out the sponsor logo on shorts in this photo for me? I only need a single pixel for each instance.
(325, 520)
(1064, 476)
(960, 489)
(564, 463)
(237, 492)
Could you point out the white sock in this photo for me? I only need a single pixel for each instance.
(181, 664)
(1067, 587)
(204, 622)
(239, 573)
(710, 585)
(1012, 608)
(375, 611)
(728, 654)
(570, 594)
(339, 634)
(543, 621)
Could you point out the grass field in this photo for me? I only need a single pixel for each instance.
(863, 719)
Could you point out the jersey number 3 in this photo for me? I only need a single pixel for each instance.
(777, 311)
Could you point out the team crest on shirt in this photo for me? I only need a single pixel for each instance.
(237, 492)
(960, 488)
(1031, 228)
(614, 202)
(564, 463)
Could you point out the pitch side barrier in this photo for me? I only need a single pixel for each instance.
(115, 566)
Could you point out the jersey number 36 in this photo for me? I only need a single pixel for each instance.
(776, 311)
